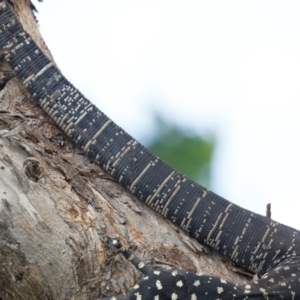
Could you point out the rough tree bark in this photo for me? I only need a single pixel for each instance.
(56, 208)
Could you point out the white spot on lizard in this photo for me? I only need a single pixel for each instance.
(158, 285)
(174, 296)
(179, 283)
(197, 283)
(138, 296)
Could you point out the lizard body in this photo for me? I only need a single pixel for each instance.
(252, 241)
(189, 285)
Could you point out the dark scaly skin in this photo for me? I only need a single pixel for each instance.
(248, 239)
(189, 285)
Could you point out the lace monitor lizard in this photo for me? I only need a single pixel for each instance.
(252, 241)
(189, 285)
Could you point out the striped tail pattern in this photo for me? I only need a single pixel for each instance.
(250, 240)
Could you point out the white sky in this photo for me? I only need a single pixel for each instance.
(230, 67)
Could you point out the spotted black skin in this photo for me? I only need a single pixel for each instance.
(252, 241)
(189, 285)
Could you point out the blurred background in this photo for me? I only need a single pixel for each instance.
(212, 87)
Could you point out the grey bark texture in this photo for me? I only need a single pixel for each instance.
(57, 208)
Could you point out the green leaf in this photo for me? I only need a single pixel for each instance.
(184, 150)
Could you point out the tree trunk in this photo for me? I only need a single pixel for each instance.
(57, 208)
